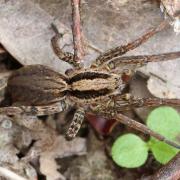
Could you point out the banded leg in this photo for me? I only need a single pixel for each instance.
(118, 51)
(141, 127)
(129, 102)
(142, 60)
(34, 110)
(75, 124)
(65, 56)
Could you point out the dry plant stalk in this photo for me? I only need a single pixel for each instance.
(76, 30)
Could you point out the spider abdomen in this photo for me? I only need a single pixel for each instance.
(36, 85)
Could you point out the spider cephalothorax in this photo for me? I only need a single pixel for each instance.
(40, 90)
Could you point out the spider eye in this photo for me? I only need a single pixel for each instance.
(111, 65)
(125, 78)
(69, 71)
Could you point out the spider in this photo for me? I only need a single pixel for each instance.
(39, 90)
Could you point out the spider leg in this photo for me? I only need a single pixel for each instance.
(34, 110)
(141, 60)
(118, 51)
(140, 127)
(65, 56)
(131, 102)
(75, 124)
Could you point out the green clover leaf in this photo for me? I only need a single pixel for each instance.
(129, 151)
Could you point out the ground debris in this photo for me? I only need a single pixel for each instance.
(25, 139)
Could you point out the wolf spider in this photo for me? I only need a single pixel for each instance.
(100, 88)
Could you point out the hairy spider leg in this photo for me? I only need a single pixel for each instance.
(142, 60)
(120, 50)
(129, 101)
(35, 110)
(75, 124)
(128, 65)
(65, 56)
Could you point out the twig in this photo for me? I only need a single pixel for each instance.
(142, 128)
(76, 30)
(9, 174)
(170, 171)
